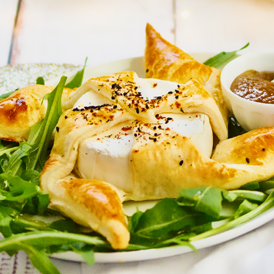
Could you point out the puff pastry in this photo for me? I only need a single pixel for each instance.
(162, 161)
(125, 88)
(24, 108)
(165, 61)
(21, 110)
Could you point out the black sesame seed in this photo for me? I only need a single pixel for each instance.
(247, 160)
(168, 119)
(57, 129)
(181, 162)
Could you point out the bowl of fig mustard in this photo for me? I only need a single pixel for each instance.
(248, 89)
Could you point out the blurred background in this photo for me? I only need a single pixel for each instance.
(66, 31)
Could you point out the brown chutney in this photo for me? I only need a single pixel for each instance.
(255, 86)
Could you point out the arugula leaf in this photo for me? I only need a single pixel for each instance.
(16, 188)
(16, 158)
(40, 81)
(6, 95)
(244, 208)
(76, 82)
(65, 225)
(5, 221)
(158, 223)
(204, 199)
(88, 256)
(219, 60)
(229, 196)
(268, 203)
(249, 194)
(39, 259)
(133, 220)
(44, 239)
(250, 186)
(38, 204)
(41, 132)
(181, 240)
(267, 185)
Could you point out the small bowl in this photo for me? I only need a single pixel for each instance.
(249, 114)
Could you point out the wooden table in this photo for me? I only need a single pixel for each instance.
(65, 31)
(68, 31)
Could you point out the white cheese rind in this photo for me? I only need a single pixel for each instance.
(91, 98)
(107, 156)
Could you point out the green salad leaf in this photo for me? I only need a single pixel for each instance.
(267, 204)
(40, 81)
(218, 61)
(244, 208)
(41, 132)
(204, 199)
(158, 223)
(6, 95)
(77, 80)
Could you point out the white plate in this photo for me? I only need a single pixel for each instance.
(136, 64)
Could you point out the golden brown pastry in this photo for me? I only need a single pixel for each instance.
(254, 148)
(167, 62)
(94, 204)
(162, 168)
(22, 109)
(125, 89)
